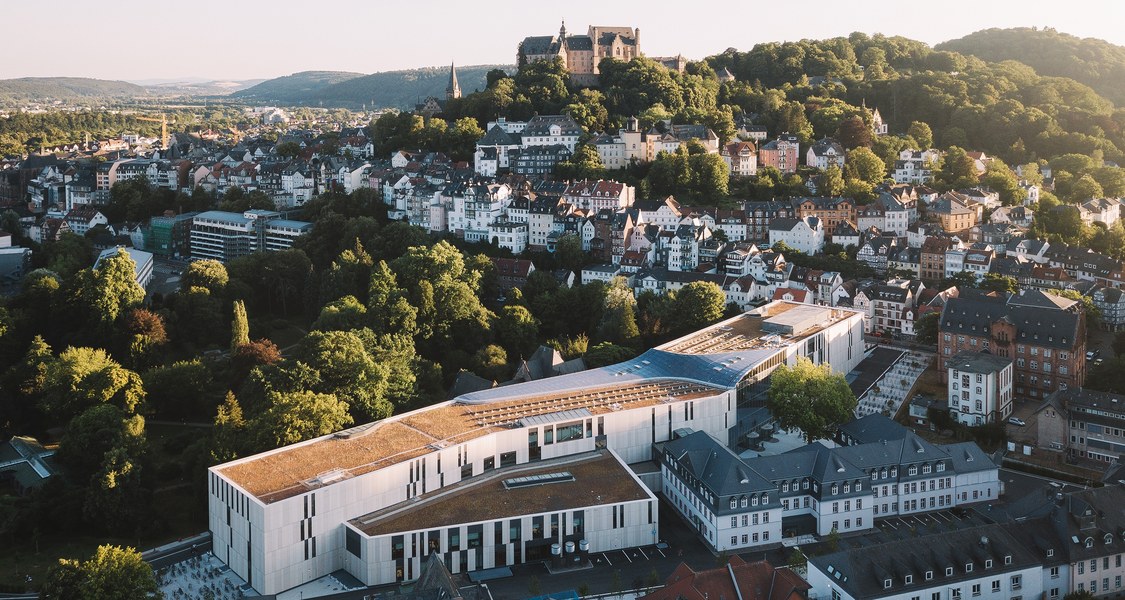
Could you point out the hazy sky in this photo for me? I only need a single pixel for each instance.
(246, 39)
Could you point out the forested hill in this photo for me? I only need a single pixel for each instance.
(1096, 63)
(1002, 108)
(294, 89)
(397, 89)
(64, 88)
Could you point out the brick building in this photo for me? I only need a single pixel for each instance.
(1044, 335)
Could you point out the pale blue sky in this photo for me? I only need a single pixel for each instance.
(245, 39)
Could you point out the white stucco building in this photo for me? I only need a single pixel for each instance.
(285, 517)
(980, 387)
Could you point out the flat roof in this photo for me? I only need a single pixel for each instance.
(700, 365)
(296, 469)
(776, 323)
(598, 478)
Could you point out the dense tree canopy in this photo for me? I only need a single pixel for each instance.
(810, 398)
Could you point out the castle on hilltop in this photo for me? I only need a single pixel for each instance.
(582, 53)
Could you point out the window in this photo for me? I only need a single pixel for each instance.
(1017, 582)
(956, 593)
(734, 521)
(976, 589)
(996, 586)
(886, 584)
(733, 540)
(929, 575)
(968, 567)
(949, 571)
(988, 563)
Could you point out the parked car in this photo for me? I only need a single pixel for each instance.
(1092, 354)
(1018, 422)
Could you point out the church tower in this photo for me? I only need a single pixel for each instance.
(453, 90)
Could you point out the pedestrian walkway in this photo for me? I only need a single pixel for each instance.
(887, 395)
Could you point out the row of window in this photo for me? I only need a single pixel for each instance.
(751, 519)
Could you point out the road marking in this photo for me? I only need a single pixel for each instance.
(891, 525)
(643, 553)
(662, 553)
(627, 556)
(606, 557)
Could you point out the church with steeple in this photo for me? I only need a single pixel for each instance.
(432, 106)
(453, 90)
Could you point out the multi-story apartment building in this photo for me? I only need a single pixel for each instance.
(782, 154)
(225, 235)
(931, 266)
(1111, 303)
(741, 158)
(377, 499)
(594, 196)
(889, 307)
(915, 166)
(954, 214)
(738, 503)
(759, 215)
(805, 234)
(831, 211)
(825, 153)
(170, 235)
(980, 387)
(1044, 335)
(1084, 424)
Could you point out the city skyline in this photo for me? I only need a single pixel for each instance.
(394, 37)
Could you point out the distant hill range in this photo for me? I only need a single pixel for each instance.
(1096, 63)
(397, 89)
(197, 87)
(66, 88)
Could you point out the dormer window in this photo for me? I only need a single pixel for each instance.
(929, 575)
(1008, 559)
(1108, 538)
(909, 579)
(988, 563)
(835, 489)
(968, 567)
(949, 571)
(886, 584)
(1089, 542)
(1050, 552)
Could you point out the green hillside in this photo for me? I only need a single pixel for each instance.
(297, 88)
(397, 89)
(64, 88)
(1096, 63)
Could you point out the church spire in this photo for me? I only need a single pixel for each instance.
(453, 90)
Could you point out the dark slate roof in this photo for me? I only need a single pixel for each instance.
(539, 44)
(716, 466)
(579, 42)
(1042, 326)
(861, 571)
(872, 428)
(498, 137)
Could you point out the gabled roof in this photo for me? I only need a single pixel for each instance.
(738, 580)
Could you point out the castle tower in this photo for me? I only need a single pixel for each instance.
(453, 90)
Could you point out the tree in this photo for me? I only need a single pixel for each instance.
(69, 254)
(347, 371)
(606, 353)
(862, 164)
(110, 289)
(585, 163)
(1085, 188)
(228, 435)
(569, 253)
(146, 335)
(810, 398)
(996, 282)
(697, 305)
(239, 326)
(926, 328)
(343, 314)
(517, 331)
(297, 416)
(83, 377)
(207, 274)
(831, 182)
(1003, 180)
(958, 170)
(854, 132)
(181, 390)
(618, 323)
(111, 572)
(491, 362)
(922, 134)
